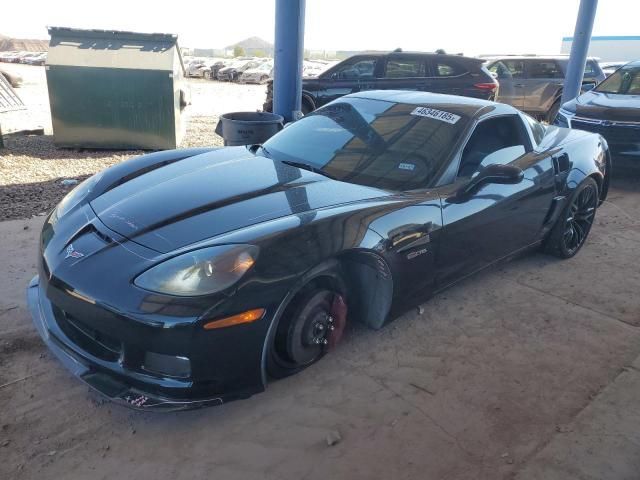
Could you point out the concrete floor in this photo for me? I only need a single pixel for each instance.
(528, 371)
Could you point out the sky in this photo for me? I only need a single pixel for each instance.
(469, 26)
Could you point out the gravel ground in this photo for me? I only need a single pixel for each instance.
(32, 168)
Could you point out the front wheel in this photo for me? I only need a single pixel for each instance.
(572, 228)
(311, 325)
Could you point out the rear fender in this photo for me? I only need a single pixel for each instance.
(589, 157)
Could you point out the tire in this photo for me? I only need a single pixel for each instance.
(306, 108)
(574, 224)
(553, 112)
(311, 325)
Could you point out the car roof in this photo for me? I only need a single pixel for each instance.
(376, 53)
(493, 58)
(469, 106)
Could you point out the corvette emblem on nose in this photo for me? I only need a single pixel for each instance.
(71, 252)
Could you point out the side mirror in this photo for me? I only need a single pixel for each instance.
(495, 173)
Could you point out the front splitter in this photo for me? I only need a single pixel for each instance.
(99, 380)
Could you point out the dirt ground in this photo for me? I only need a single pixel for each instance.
(527, 371)
(32, 168)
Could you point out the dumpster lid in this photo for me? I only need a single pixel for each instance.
(112, 49)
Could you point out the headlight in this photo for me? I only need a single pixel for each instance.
(200, 272)
(75, 196)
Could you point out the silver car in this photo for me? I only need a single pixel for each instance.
(534, 84)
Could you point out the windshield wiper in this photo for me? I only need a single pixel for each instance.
(311, 168)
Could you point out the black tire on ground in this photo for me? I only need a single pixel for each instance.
(553, 112)
(310, 325)
(574, 223)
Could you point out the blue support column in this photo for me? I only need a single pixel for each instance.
(579, 49)
(289, 51)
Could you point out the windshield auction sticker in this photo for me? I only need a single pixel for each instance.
(436, 114)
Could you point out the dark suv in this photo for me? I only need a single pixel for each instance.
(534, 84)
(429, 72)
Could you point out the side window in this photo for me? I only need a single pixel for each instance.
(498, 140)
(500, 70)
(544, 69)
(361, 68)
(537, 128)
(405, 67)
(514, 68)
(445, 68)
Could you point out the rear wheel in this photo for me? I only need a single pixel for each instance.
(311, 325)
(573, 226)
(306, 107)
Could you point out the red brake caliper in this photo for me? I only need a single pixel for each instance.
(337, 321)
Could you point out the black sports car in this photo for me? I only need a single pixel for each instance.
(187, 278)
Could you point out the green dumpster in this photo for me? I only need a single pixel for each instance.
(116, 90)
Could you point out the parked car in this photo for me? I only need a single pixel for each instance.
(233, 265)
(417, 71)
(609, 67)
(8, 56)
(27, 57)
(534, 84)
(196, 68)
(260, 74)
(37, 59)
(215, 68)
(612, 109)
(14, 79)
(232, 72)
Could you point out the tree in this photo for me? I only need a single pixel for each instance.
(259, 53)
(238, 51)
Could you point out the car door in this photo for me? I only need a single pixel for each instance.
(543, 80)
(510, 75)
(493, 220)
(404, 72)
(353, 75)
(447, 76)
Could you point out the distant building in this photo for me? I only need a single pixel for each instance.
(252, 47)
(609, 48)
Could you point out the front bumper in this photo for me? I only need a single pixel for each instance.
(113, 379)
(622, 137)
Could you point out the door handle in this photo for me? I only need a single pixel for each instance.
(520, 85)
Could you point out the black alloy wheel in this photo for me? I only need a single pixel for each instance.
(573, 227)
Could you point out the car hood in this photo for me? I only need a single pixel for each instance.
(213, 193)
(606, 106)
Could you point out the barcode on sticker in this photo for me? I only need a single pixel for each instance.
(436, 114)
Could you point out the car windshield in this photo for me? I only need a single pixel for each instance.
(625, 81)
(393, 146)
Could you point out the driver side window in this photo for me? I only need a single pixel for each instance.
(499, 140)
(363, 68)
